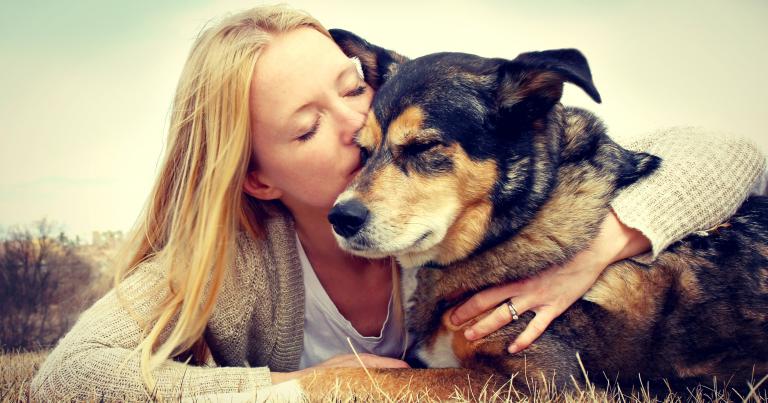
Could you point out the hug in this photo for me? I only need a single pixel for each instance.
(320, 192)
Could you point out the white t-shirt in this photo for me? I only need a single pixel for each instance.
(326, 329)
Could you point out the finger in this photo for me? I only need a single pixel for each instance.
(483, 301)
(532, 332)
(384, 362)
(494, 321)
(374, 361)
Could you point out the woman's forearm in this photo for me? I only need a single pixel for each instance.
(702, 180)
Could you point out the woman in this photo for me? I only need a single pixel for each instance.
(234, 262)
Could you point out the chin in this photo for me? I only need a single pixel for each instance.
(417, 252)
(366, 252)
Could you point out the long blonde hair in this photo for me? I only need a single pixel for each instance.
(190, 222)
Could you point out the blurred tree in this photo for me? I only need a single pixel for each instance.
(42, 280)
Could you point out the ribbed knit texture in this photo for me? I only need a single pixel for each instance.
(258, 320)
(703, 179)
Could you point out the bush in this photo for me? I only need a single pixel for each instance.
(44, 285)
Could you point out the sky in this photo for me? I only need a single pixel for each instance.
(86, 86)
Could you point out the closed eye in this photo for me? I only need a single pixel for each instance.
(357, 91)
(312, 131)
(418, 148)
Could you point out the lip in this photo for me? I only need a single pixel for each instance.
(421, 239)
(365, 247)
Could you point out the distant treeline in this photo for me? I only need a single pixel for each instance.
(45, 282)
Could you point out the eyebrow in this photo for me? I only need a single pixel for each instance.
(351, 69)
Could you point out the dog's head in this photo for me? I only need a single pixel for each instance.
(450, 138)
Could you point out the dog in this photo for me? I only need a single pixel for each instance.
(477, 175)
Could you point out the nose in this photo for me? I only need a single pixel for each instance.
(348, 217)
(349, 120)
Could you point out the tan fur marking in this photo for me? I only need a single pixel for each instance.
(544, 82)
(475, 181)
(763, 250)
(574, 128)
(703, 369)
(624, 289)
(370, 135)
(637, 292)
(425, 385)
(466, 233)
(627, 289)
(561, 202)
(538, 82)
(419, 197)
(463, 349)
(407, 125)
(679, 268)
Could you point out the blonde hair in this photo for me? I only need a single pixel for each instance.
(190, 222)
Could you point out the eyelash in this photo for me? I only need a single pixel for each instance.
(360, 90)
(356, 92)
(311, 133)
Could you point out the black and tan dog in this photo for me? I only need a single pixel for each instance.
(477, 174)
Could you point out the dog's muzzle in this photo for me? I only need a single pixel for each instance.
(348, 217)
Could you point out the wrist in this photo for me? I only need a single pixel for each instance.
(621, 241)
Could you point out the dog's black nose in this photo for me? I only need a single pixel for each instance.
(348, 217)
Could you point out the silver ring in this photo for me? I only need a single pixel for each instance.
(512, 310)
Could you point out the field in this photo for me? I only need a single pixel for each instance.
(18, 368)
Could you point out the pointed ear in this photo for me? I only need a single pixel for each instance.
(379, 64)
(254, 186)
(634, 166)
(532, 83)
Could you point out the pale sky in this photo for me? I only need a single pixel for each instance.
(86, 86)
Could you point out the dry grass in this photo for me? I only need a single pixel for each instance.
(18, 368)
(547, 392)
(16, 371)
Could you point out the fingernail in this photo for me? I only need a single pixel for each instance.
(455, 319)
(469, 334)
(512, 349)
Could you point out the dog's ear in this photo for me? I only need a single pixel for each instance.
(532, 83)
(378, 64)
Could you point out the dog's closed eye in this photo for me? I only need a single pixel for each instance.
(418, 148)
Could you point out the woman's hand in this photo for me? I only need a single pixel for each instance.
(369, 361)
(551, 292)
(344, 360)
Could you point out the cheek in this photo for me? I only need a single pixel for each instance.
(320, 164)
(362, 103)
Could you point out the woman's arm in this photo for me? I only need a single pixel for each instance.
(702, 181)
(86, 363)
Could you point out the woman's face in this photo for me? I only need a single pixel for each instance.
(307, 104)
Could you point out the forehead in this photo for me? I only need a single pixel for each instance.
(289, 68)
(446, 88)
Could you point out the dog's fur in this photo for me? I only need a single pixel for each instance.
(477, 174)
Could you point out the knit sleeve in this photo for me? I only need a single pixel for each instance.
(703, 179)
(96, 359)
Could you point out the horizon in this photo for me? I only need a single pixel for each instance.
(88, 86)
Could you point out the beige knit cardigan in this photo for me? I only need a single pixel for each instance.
(257, 323)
